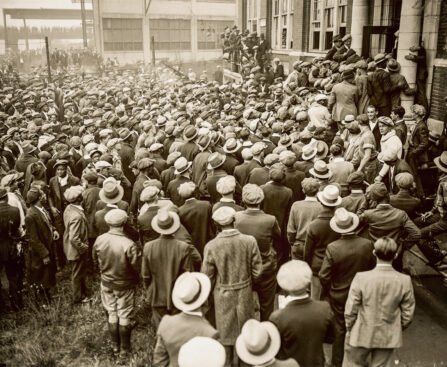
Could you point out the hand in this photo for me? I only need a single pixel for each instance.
(425, 216)
(83, 249)
(378, 179)
(55, 235)
(54, 211)
(46, 260)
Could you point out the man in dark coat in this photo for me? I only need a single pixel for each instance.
(40, 234)
(26, 158)
(344, 258)
(195, 215)
(183, 173)
(189, 149)
(215, 163)
(380, 86)
(265, 229)
(90, 199)
(404, 199)
(277, 202)
(304, 324)
(145, 166)
(241, 171)
(293, 177)
(149, 196)
(9, 228)
(127, 154)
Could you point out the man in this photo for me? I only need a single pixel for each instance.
(320, 234)
(232, 285)
(265, 229)
(355, 202)
(164, 259)
(304, 324)
(278, 69)
(404, 199)
(26, 158)
(260, 175)
(183, 173)
(343, 259)
(216, 172)
(189, 149)
(226, 187)
(380, 305)
(242, 171)
(293, 177)
(277, 202)
(259, 343)
(338, 44)
(40, 234)
(384, 220)
(319, 114)
(58, 185)
(199, 165)
(76, 242)
(127, 153)
(397, 115)
(344, 97)
(302, 213)
(190, 292)
(149, 196)
(118, 259)
(380, 86)
(394, 165)
(372, 114)
(146, 168)
(195, 215)
(10, 229)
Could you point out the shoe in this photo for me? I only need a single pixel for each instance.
(115, 337)
(125, 334)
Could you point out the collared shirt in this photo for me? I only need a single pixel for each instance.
(372, 124)
(384, 265)
(63, 181)
(45, 214)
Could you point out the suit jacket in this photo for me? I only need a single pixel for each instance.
(379, 88)
(145, 224)
(91, 197)
(199, 171)
(380, 304)
(76, 232)
(24, 161)
(419, 143)
(344, 258)
(176, 330)
(293, 181)
(304, 325)
(55, 197)
(189, 150)
(230, 164)
(172, 190)
(39, 232)
(102, 227)
(9, 229)
(195, 215)
(343, 100)
(211, 182)
(277, 202)
(390, 179)
(167, 176)
(241, 173)
(279, 72)
(259, 176)
(405, 201)
(127, 155)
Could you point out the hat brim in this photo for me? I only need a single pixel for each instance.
(270, 353)
(113, 200)
(337, 229)
(309, 157)
(210, 167)
(326, 203)
(177, 172)
(171, 230)
(205, 289)
(191, 137)
(317, 175)
(439, 165)
(230, 151)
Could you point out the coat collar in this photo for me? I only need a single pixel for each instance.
(228, 233)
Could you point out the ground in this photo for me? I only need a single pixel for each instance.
(65, 335)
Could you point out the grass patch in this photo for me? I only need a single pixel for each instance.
(66, 335)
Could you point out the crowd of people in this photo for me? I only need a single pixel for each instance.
(262, 219)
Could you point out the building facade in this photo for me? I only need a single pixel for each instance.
(305, 29)
(181, 30)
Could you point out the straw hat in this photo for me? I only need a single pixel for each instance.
(166, 222)
(258, 343)
(191, 290)
(441, 161)
(111, 192)
(320, 170)
(330, 196)
(344, 221)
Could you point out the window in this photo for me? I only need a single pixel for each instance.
(328, 18)
(171, 34)
(282, 24)
(441, 51)
(252, 11)
(209, 31)
(123, 34)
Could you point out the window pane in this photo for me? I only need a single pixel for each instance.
(122, 34)
(328, 41)
(284, 38)
(316, 40)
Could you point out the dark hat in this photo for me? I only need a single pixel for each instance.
(356, 178)
(190, 133)
(3, 192)
(377, 191)
(32, 195)
(348, 74)
(215, 160)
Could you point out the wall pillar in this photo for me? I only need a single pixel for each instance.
(359, 20)
(409, 35)
(147, 47)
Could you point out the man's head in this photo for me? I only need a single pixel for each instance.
(310, 186)
(371, 113)
(385, 125)
(385, 249)
(397, 113)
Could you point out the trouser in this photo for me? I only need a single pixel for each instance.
(412, 162)
(14, 276)
(358, 357)
(315, 288)
(338, 345)
(119, 304)
(265, 287)
(283, 251)
(58, 248)
(79, 278)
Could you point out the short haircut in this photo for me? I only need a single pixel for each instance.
(399, 111)
(385, 248)
(310, 186)
(371, 106)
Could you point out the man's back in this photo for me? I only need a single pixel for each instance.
(304, 325)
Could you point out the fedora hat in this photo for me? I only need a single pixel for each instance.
(28, 148)
(258, 343)
(320, 170)
(181, 165)
(344, 221)
(204, 142)
(166, 222)
(441, 162)
(215, 160)
(393, 65)
(190, 133)
(309, 152)
(190, 291)
(112, 192)
(330, 196)
(232, 145)
(379, 58)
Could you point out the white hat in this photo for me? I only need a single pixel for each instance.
(191, 290)
(166, 222)
(154, 147)
(320, 170)
(226, 185)
(321, 97)
(224, 215)
(102, 164)
(330, 196)
(294, 276)
(201, 351)
(258, 343)
(344, 221)
(116, 217)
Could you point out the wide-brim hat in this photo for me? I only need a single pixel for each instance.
(191, 290)
(344, 221)
(180, 170)
(232, 146)
(258, 343)
(111, 193)
(166, 222)
(320, 170)
(309, 152)
(190, 133)
(441, 162)
(330, 196)
(215, 160)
